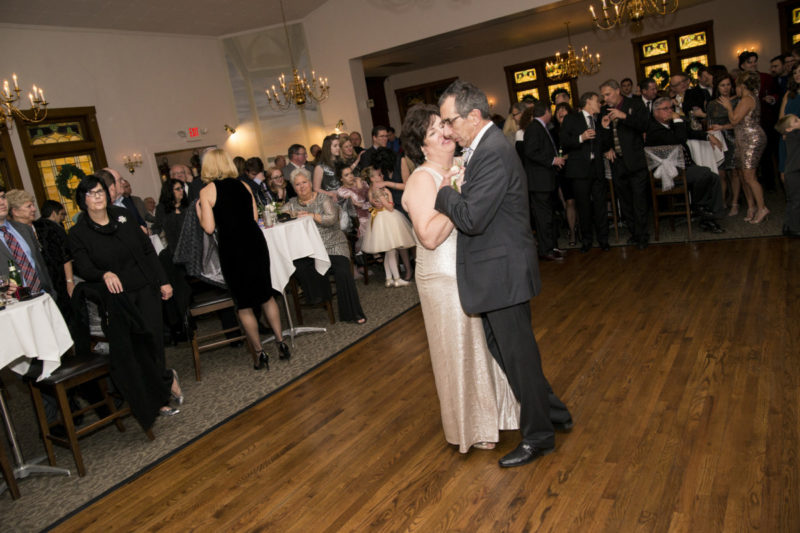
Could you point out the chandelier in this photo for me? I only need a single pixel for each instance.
(299, 90)
(634, 10)
(572, 65)
(8, 108)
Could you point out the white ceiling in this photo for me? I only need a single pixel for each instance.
(224, 17)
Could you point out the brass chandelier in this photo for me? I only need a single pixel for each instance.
(572, 65)
(9, 98)
(633, 10)
(299, 90)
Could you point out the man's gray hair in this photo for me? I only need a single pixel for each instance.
(467, 97)
(610, 83)
(661, 100)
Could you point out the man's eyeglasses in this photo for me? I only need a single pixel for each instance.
(449, 121)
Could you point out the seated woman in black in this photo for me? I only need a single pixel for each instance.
(228, 206)
(108, 246)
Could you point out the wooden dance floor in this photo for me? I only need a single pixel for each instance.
(680, 366)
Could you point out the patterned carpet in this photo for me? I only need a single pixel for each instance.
(229, 386)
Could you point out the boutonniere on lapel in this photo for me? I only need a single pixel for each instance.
(121, 219)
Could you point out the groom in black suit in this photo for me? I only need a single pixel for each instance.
(497, 268)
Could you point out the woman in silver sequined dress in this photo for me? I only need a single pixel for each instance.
(475, 399)
(750, 141)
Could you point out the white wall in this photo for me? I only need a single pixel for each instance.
(145, 87)
(737, 24)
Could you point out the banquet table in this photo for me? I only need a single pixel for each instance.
(286, 242)
(33, 329)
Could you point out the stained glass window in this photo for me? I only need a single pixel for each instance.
(659, 72)
(692, 64)
(523, 76)
(50, 168)
(565, 86)
(55, 133)
(522, 94)
(796, 38)
(655, 49)
(796, 15)
(692, 40)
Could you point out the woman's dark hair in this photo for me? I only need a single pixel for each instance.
(384, 160)
(167, 197)
(326, 156)
(254, 165)
(49, 207)
(87, 184)
(559, 107)
(792, 87)
(339, 167)
(526, 118)
(719, 79)
(415, 127)
(238, 161)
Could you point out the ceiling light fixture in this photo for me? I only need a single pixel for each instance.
(9, 97)
(634, 10)
(572, 65)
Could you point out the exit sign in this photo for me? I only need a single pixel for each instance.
(193, 133)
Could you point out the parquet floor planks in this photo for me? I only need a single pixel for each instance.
(680, 366)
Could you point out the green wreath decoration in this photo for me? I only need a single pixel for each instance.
(69, 174)
(661, 77)
(692, 69)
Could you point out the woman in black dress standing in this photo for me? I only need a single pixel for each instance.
(227, 205)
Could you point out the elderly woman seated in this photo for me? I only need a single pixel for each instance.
(325, 213)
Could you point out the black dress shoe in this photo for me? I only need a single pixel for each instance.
(263, 362)
(789, 233)
(550, 257)
(523, 454)
(585, 247)
(605, 246)
(563, 427)
(283, 351)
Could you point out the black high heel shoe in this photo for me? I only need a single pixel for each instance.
(283, 351)
(263, 362)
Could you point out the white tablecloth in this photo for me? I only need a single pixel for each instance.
(292, 240)
(33, 329)
(706, 155)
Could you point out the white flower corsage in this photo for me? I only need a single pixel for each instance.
(121, 219)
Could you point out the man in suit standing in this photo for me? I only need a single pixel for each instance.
(18, 244)
(624, 120)
(298, 158)
(541, 159)
(648, 92)
(380, 138)
(585, 167)
(497, 270)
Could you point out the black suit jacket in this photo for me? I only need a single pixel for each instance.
(36, 251)
(630, 130)
(579, 154)
(538, 154)
(695, 97)
(496, 265)
(677, 133)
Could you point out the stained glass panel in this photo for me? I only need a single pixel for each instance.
(522, 94)
(565, 86)
(55, 133)
(655, 49)
(659, 72)
(796, 38)
(689, 65)
(692, 40)
(796, 15)
(49, 168)
(524, 76)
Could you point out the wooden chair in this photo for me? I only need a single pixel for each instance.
(298, 305)
(8, 473)
(74, 371)
(205, 303)
(676, 199)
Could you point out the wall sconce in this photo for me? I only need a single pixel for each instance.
(491, 102)
(746, 49)
(230, 130)
(132, 161)
(340, 127)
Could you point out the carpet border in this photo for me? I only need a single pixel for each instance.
(152, 465)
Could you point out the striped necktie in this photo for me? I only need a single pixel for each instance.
(466, 155)
(29, 275)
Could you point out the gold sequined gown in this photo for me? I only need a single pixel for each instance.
(750, 138)
(474, 396)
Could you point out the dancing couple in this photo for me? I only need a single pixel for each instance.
(476, 253)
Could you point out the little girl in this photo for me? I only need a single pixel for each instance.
(387, 230)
